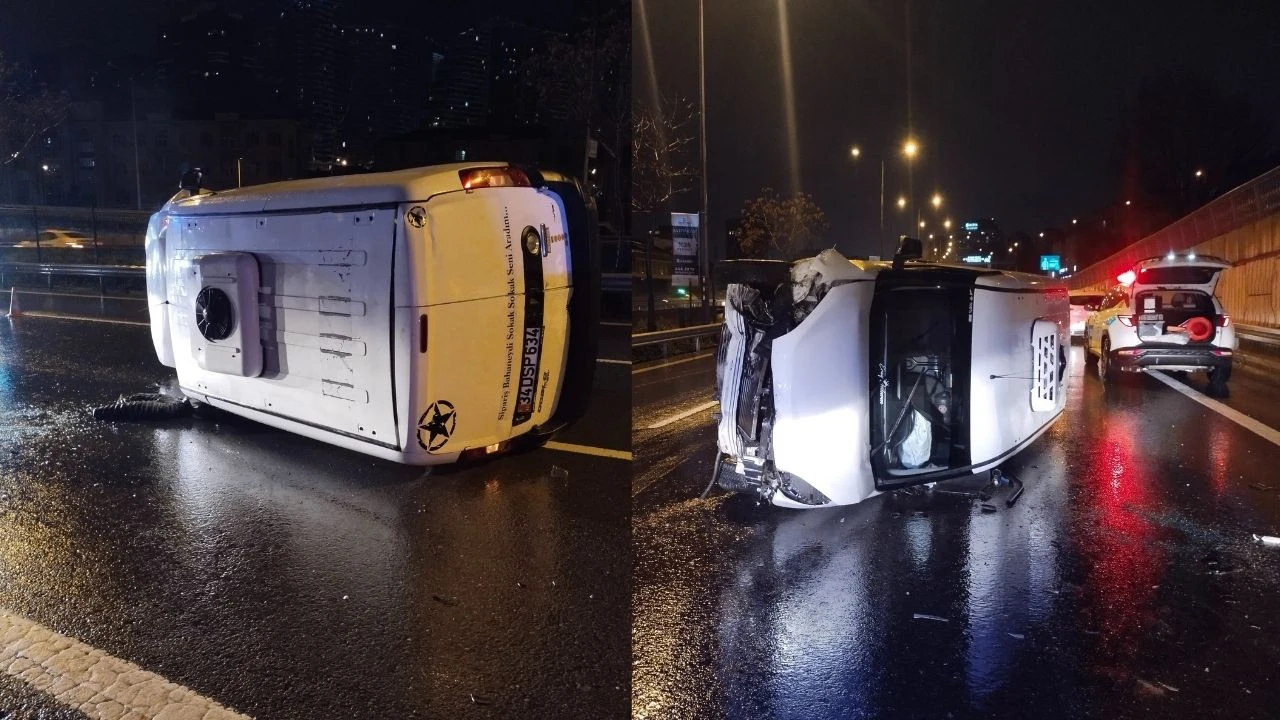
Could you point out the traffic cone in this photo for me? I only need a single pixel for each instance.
(14, 309)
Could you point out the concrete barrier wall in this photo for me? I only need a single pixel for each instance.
(1249, 289)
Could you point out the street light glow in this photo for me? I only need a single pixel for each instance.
(1199, 173)
(902, 202)
(946, 224)
(937, 200)
(1126, 202)
(1073, 221)
(1041, 234)
(910, 148)
(921, 224)
(855, 151)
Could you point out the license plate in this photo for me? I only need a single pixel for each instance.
(1150, 318)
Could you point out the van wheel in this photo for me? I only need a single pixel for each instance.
(1106, 372)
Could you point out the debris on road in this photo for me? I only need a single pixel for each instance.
(925, 616)
(1268, 540)
(444, 600)
(144, 406)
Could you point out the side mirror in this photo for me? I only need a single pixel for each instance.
(191, 181)
(909, 248)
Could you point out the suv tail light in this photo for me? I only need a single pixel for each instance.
(1127, 320)
(1224, 320)
(493, 177)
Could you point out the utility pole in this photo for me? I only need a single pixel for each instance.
(137, 167)
(706, 211)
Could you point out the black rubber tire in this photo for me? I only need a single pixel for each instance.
(1090, 360)
(1106, 371)
(768, 273)
(1218, 381)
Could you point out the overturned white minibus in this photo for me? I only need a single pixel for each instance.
(421, 315)
(841, 379)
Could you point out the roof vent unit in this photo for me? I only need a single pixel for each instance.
(227, 338)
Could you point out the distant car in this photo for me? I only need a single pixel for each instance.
(839, 379)
(1082, 304)
(1164, 316)
(54, 238)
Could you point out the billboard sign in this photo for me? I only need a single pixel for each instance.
(684, 248)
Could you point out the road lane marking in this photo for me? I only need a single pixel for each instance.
(589, 450)
(1229, 413)
(680, 416)
(703, 356)
(611, 361)
(54, 316)
(89, 680)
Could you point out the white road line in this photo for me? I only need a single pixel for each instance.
(55, 316)
(93, 682)
(680, 416)
(673, 362)
(1231, 414)
(588, 450)
(610, 361)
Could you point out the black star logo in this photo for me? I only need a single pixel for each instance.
(438, 422)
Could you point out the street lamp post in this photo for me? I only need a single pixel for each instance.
(856, 152)
(702, 120)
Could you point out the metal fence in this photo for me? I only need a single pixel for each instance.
(1251, 201)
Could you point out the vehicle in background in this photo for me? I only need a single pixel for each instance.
(1083, 302)
(422, 316)
(55, 238)
(1164, 316)
(839, 379)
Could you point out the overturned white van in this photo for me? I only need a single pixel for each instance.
(420, 315)
(839, 379)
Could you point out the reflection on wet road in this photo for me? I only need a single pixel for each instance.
(291, 579)
(1123, 583)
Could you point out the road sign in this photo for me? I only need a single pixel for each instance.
(1050, 262)
(684, 248)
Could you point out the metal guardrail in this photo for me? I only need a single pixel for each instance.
(1258, 334)
(663, 337)
(1236, 208)
(49, 270)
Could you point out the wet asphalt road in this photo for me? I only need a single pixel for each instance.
(287, 578)
(1123, 583)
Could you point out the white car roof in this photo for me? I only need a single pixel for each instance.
(345, 190)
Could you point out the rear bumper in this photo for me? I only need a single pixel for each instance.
(1173, 357)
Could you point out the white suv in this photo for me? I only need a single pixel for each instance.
(1164, 316)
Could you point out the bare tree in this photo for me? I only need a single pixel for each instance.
(25, 114)
(661, 167)
(786, 226)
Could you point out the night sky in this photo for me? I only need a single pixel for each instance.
(131, 25)
(1016, 104)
